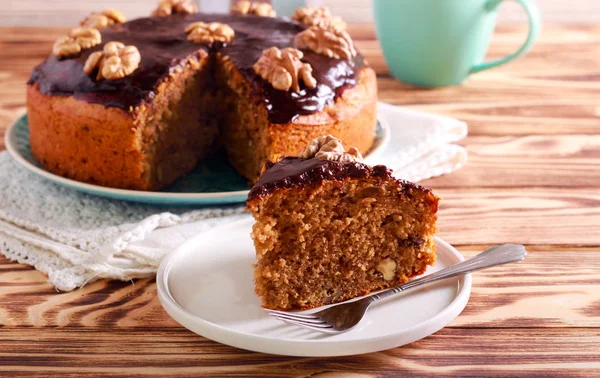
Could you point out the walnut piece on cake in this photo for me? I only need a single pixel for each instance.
(327, 147)
(320, 17)
(283, 69)
(253, 7)
(114, 62)
(108, 16)
(201, 32)
(77, 40)
(333, 43)
(168, 7)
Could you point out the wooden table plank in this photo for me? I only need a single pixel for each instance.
(519, 215)
(73, 352)
(533, 115)
(528, 161)
(552, 288)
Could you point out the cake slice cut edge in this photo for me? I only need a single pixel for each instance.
(328, 231)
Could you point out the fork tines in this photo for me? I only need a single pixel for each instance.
(305, 320)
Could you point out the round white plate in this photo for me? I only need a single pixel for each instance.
(212, 182)
(207, 286)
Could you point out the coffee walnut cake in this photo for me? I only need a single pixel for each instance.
(137, 104)
(329, 228)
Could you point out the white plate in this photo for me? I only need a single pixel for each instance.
(207, 286)
(212, 182)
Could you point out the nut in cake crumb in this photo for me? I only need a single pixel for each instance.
(320, 17)
(168, 7)
(109, 16)
(387, 267)
(201, 32)
(77, 40)
(114, 62)
(372, 191)
(328, 147)
(283, 69)
(252, 7)
(331, 42)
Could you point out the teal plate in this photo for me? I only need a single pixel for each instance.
(213, 181)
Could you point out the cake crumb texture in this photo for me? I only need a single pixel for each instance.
(144, 149)
(329, 242)
(250, 139)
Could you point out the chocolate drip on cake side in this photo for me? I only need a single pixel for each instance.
(163, 47)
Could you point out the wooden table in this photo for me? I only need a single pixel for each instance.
(533, 177)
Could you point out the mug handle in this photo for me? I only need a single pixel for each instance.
(533, 13)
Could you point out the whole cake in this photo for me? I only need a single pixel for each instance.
(330, 228)
(137, 104)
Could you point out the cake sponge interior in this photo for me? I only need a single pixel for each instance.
(340, 239)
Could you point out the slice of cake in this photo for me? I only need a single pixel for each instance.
(329, 228)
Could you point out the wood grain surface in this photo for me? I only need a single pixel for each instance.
(533, 177)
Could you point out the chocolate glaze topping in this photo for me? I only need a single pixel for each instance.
(292, 172)
(163, 47)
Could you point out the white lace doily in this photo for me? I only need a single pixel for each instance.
(77, 238)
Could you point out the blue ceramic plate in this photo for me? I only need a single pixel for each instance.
(213, 181)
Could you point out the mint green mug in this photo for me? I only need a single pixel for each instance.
(433, 43)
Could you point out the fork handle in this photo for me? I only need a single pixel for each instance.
(494, 256)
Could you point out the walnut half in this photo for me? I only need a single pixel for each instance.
(168, 7)
(109, 16)
(283, 69)
(77, 40)
(328, 147)
(252, 7)
(114, 62)
(320, 17)
(333, 43)
(387, 267)
(201, 32)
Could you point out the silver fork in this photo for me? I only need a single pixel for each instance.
(346, 315)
